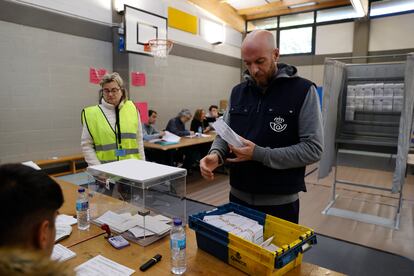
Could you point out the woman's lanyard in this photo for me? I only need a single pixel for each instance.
(119, 150)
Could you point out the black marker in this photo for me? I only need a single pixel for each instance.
(151, 262)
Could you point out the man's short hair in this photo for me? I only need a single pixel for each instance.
(27, 197)
(150, 112)
(212, 106)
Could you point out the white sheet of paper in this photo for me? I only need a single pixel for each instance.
(65, 219)
(31, 164)
(163, 218)
(152, 224)
(171, 137)
(138, 232)
(101, 266)
(118, 223)
(136, 170)
(62, 230)
(61, 253)
(227, 134)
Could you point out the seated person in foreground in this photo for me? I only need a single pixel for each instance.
(199, 123)
(177, 125)
(30, 200)
(148, 129)
(213, 114)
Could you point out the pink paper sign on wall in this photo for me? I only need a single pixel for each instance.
(95, 75)
(138, 79)
(143, 111)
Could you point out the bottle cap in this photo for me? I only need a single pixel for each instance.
(81, 190)
(177, 222)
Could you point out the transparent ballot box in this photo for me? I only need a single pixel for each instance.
(137, 199)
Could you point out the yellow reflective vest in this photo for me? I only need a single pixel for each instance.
(109, 144)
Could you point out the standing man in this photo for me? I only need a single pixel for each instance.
(278, 115)
(148, 129)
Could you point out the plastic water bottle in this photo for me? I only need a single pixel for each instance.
(200, 130)
(82, 209)
(178, 244)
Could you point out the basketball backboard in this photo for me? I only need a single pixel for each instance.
(140, 27)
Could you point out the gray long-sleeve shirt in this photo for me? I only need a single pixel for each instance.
(307, 151)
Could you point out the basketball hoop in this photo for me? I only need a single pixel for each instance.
(160, 48)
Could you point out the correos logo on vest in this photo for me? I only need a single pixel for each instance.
(278, 124)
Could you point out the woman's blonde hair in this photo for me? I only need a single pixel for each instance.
(110, 77)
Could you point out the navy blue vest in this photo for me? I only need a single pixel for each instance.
(268, 119)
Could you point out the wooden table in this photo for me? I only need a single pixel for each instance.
(70, 192)
(184, 142)
(198, 261)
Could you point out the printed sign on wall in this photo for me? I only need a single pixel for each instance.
(143, 111)
(95, 75)
(138, 79)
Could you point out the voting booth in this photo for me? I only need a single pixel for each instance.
(146, 196)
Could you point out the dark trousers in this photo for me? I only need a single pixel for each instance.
(288, 211)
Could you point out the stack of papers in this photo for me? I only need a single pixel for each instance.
(168, 139)
(123, 222)
(63, 226)
(60, 253)
(102, 266)
(239, 225)
(65, 219)
(118, 223)
(227, 134)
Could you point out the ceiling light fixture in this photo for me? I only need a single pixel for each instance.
(302, 5)
(360, 7)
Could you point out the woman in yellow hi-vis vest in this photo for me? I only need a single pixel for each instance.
(111, 130)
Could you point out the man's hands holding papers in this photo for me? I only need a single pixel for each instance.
(244, 153)
(210, 162)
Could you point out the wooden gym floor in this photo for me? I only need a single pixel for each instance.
(313, 202)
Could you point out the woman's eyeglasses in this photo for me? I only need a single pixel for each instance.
(113, 90)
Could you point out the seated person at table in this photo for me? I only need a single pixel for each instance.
(177, 125)
(199, 123)
(148, 129)
(212, 115)
(30, 200)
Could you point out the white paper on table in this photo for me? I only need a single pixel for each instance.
(118, 223)
(152, 224)
(61, 253)
(138, 232)
(227, 134)
(62, 231)
(163, 218)
(102, 266)
(170, 137)
(65, 219)
(31, 164)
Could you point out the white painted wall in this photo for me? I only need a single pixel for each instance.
(97, 10)
(392, 33)
(335, 38)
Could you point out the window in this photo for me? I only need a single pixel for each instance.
(296, 19)
(265, 24)
(341, 13)
(296, 41)
(388, 7)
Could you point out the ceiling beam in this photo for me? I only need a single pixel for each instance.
(272, 6)
(285, 11)
(223, 11)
